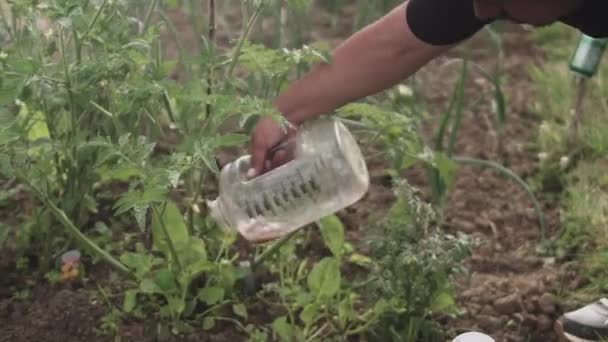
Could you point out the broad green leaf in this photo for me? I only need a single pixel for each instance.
(165, 280)
(211, 295)
(309, 313)
(149, 286)
(240, 310)
(175, 226)
(332, 231)
(176, 304)
(228, 276)
(130, 301)
(442, 301)
(193, 252)
(324, 279)
(281, 327)
(208, 323)
(38, 128)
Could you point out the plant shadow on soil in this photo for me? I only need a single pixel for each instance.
(511, 293)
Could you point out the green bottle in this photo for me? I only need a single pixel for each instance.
(588, 55)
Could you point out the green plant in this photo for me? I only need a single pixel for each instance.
(318, 299)
(413, 265)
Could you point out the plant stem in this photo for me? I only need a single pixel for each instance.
(5, 21)
(168, 239)
(74, 231)
(272, 249)
(95, 18)
(243, 38)
(198, 191)
(68, 83)
(149, 15)
(212, 48)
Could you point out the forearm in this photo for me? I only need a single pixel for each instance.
(372, 60)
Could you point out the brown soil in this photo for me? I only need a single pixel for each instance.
(512, 293)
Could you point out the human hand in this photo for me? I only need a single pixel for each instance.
(266, 148)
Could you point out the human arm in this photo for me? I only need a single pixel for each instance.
(372, 60)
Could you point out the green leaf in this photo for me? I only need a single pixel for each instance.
(211, 295)
(240, 310)
(446, 168)
(309, 313)
(281, 327)
(332, 231)
(229, 140)
(228, 276)
(38, 128)
(208, 323)
(130, 300)
(165, 280)
(176, 304)
(324, 279)
(149, 286)
(193, 252)
(195, 269)
(345, 312)
(141, 263)
(360, 260)
(176, 228)
(442, 302)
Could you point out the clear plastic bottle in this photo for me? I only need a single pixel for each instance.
(328, 173)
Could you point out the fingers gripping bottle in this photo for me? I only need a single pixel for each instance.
(327, 174)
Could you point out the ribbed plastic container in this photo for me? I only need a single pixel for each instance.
(327, 174)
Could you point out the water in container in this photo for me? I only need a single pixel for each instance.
(328, 173)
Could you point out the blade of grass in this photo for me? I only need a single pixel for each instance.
(459, 106)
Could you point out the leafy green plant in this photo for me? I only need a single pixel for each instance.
(413, 265)
(319, 301)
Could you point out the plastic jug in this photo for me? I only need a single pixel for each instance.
(328, 173)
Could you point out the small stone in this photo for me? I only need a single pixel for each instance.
(465, 226)
(487, 310)
(529, 306)
(474, 309)
(489, 323)
(547, 303)
(508, 304)
(518, 317)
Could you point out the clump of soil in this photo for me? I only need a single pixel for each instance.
(64, 315)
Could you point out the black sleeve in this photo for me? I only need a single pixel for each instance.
(591, 18)
(443, 22)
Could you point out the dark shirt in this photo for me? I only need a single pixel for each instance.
(442, 22)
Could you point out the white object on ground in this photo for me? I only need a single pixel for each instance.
(473, 337)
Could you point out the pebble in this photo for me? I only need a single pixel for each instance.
(508, 304)
(547, 303)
